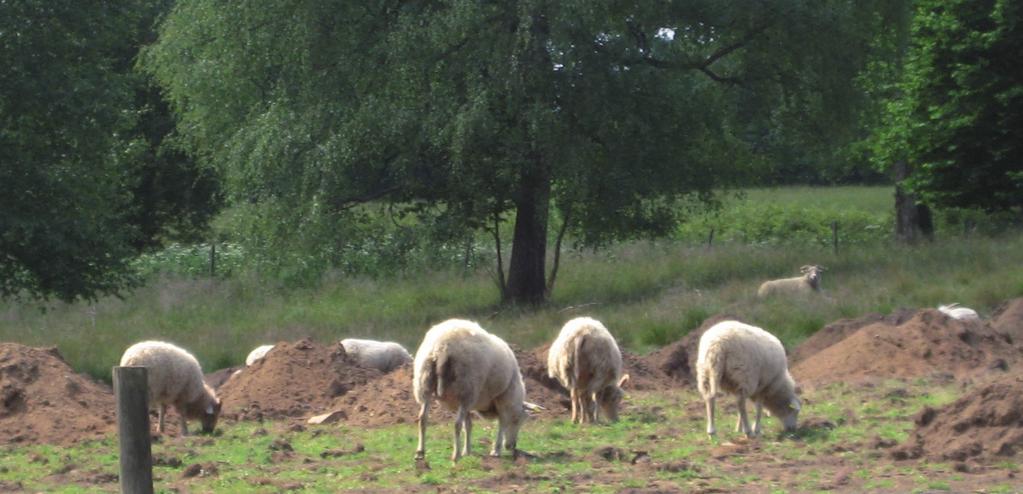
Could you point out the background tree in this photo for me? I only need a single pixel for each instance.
(86, 178)
(957, 121)
(612, 115)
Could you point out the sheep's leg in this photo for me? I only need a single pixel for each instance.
(424, 412)
(738, 423)
(575, 404)
(468, 432)
(710, 415)
(742, 416)
(496, 449)
(161, 411)
(756, 423)
(184, 423)
(459, 421)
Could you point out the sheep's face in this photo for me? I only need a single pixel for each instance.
(790, 414)
(813, 275)
(209, 417)
(610, 398)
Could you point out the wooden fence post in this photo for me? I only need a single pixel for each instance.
(710, 238)
(132, 393)
(834, 236)
(213, 260)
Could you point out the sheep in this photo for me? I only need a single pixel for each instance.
(467, 369)
(256, 354)
(585, 359)
(384, 356)
(175, 378)
(959, 313)
(748, 362)
(809, 282)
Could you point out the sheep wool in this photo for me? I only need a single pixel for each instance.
(383, 356)
(586, 360)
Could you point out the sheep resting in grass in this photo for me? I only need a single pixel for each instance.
(586, 360)
(256, 354)
(960, 313)
(750, 363)
(383, 356)
(809, 282)
(175, 378)
(466, 369)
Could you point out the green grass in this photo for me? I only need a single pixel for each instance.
(667, 427)
(648, 293)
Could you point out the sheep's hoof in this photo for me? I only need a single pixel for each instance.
(420, 455)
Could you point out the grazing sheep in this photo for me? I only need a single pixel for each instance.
(175, 378)
(960, 313)
(750, 363)
(383, 356)
(256, 354)
(809, 282)
(585, 359)
(466, 369)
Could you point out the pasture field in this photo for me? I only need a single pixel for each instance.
(658, 446)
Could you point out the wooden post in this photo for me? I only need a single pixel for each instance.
(834, 236)
(213, 260)
(710, 238)
(132, 393)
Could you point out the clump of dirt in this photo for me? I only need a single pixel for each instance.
(677, 361)
(985, 424)
(42, 400)
(1008, 319)
(927, 344)
(839, 330)
(298, 379)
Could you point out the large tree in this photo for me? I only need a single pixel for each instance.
(615, 115)
(957, 117)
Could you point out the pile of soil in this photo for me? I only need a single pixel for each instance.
(385, 401)
(42, 400)
(929, 343)
(677, 361)
(298, 379)
(216, 379)
(1008, 319)
(841, 329)
(985, 424)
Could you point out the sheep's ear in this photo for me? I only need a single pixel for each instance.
(623, 380)
(805, 268)
(794, 404)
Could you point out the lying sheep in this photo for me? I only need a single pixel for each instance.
(750, 363)
(258, 353)
(175, 378)
(809, 282)
(466, 369)
(383, 356)
(959, 313)
(586, 360)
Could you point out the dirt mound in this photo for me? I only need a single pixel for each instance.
(42, 400)
(839, 330)
(216, 379)
(298, 379)
(385, 401)
(929, 343)
(1008, 319)
(985, 424)
(677, 361)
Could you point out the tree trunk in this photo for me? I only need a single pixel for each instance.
(527, 269)
(912, 220)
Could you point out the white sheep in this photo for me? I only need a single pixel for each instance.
(748, 362)
(466, 369)
(175, 378)
(960, 313)
(586, 360)
(383, 356)
(809, 282)
(258, 353)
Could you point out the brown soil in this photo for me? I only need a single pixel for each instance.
(927, 344)
(839, 330)
(298, 379)
(985, 424)
(216, 379)
(677, 361)
(1008, 319)
(42, 400)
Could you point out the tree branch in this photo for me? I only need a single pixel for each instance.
(557, 250)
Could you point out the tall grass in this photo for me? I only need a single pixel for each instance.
(648, 293)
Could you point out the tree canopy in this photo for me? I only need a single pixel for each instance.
(613, 115)
(956, 116)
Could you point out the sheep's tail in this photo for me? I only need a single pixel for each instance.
(716, 366)
(443, 373)
(577, 356)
